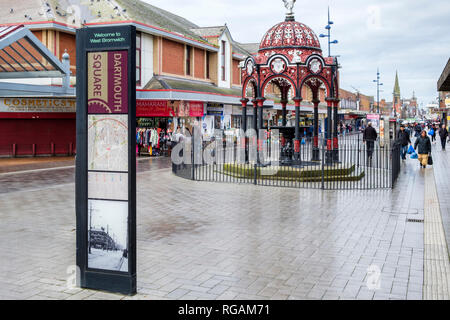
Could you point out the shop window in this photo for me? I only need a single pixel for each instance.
(138, 58)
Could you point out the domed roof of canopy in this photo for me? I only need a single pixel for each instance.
(290, 34)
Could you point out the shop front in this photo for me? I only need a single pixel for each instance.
(37, 126)
(158, 120)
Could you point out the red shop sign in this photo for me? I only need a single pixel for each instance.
(153, 108)
(196, 109)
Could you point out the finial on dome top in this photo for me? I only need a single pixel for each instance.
(289, 4)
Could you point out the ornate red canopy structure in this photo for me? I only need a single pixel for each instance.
(290, 57)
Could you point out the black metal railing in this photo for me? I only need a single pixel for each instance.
(353, 165)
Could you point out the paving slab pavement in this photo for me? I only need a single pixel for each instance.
(200, 240)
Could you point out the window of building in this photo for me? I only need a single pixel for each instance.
(224, 78)
(188, 60)
(138, 58)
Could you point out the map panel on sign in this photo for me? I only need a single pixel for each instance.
(108, 142)
(108, 185)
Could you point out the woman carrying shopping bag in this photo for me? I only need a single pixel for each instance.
(423, 147)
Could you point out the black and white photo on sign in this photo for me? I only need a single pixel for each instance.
(108, 235)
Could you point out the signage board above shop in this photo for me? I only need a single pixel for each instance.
(214, 109)
(37, 105)
(164, 108)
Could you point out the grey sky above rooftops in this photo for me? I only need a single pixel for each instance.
(411, 36)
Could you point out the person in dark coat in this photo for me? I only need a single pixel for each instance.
(403, 139)
(369, 137)
(423, 147)
(418, 129)
(443, 133)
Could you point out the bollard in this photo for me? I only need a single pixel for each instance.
(33, 150)
(14, 150)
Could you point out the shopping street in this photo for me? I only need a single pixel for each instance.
(202, 240)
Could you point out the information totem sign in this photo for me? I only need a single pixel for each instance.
(106, 158)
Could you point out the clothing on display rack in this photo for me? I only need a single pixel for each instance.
(153, 141)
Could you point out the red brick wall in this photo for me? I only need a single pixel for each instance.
(172, 57)
(322, 94)
(199, 63)
(67, 41)
(38, 34)
(236, 72)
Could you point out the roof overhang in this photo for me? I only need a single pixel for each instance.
(443, 83)
(185, 95)
(39, 25)
(158, 32)
(8, 89)
(239, 56)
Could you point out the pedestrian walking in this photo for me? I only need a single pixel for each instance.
(432, 133)
(369, 137)
(418, 129)
(423, 147)
(404, 140)
(443, 134)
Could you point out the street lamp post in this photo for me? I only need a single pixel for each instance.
(328, 27)
(378, 90)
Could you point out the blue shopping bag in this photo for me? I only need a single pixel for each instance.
(303, 141)
(414, 156)
(410, 149)
(431, 132)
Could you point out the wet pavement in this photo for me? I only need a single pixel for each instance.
(33, 177)
(199, 240)
(34, 163)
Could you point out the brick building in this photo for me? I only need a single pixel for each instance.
(186, 74)
(183, 70)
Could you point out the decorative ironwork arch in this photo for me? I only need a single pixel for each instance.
(275, 76)
(250, 81)
(320, 78)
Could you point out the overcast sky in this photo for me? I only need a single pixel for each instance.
(411, 36)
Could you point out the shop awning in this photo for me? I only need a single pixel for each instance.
(22, 55)
(170, 88)
(443, 83)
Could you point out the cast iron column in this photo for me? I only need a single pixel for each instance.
(244, 126)
(260, 102)
(255, 127)
(244, 115)
(297, 158)
(283, 112)
(335, 133)
(328, 154)
(255, 115)
(315, 150)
